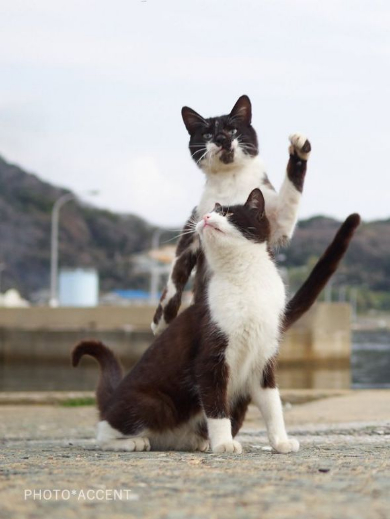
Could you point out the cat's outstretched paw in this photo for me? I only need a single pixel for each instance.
(136, 444)
(230, 447)
(300, 146)
(284, 447)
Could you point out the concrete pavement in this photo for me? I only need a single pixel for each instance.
(342, 470)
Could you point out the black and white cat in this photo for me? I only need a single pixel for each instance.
(226, 150)
(194, 383)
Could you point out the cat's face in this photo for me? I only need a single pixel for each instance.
(230, 226)
(217, 143)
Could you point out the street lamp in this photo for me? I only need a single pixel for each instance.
(2, 268)
(55, 217)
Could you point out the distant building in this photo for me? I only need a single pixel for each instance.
(78, 287)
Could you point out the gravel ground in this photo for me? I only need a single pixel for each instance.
(342, 470)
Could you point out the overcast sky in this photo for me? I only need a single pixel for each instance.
(91, 92)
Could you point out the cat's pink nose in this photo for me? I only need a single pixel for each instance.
(206, 217)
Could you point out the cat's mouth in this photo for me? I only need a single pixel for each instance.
(207, 224)
(226, 156)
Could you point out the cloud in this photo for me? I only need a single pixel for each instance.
(91, 93)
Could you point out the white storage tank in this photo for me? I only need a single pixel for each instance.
(78, 287)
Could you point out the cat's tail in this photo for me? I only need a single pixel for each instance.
(322, 272)
(110, 369)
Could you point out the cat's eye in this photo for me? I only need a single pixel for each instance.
(233, 131)
(218, 208)
(207, 136)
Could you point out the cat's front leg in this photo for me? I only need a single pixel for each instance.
(220, 434)
(267, 398)
(186, 256)
(299, 151)
(170, 301)
(289, 197)
(212, 376)
(270, 405)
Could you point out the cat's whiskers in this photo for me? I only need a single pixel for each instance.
(179, 236)
(197, 151)
(193, 223)
(245, 144)
(249, 146)
(202, 157)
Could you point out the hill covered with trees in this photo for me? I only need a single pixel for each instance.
(107, 241)
(89, 237)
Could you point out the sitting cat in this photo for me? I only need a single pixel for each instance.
(194, 383)
(226, 150)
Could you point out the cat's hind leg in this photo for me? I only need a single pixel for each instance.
(110, 439)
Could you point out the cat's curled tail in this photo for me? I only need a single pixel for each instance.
(110, 369)
(322, 272)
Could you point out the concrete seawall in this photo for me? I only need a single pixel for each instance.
(47, 334)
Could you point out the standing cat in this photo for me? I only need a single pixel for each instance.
(194, 383)
(226, 150)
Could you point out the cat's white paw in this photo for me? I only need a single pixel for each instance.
(232, 446)
(203, 446)
(284, 447)
(141, 443)
(300, 145)
(136, 444)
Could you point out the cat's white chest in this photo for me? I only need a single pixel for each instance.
(248, 311)
(232, 187)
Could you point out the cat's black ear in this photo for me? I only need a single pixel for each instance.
(242, 110)
(192, 119)
(256, 201)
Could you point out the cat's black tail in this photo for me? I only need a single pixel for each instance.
(111, 371)
(322, 272)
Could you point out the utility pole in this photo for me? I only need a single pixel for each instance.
(2, 268)
(55, 218)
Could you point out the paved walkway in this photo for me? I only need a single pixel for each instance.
(341, 472)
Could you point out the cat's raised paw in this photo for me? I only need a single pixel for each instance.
(284, 447)
(233, 447)
(300, 146)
